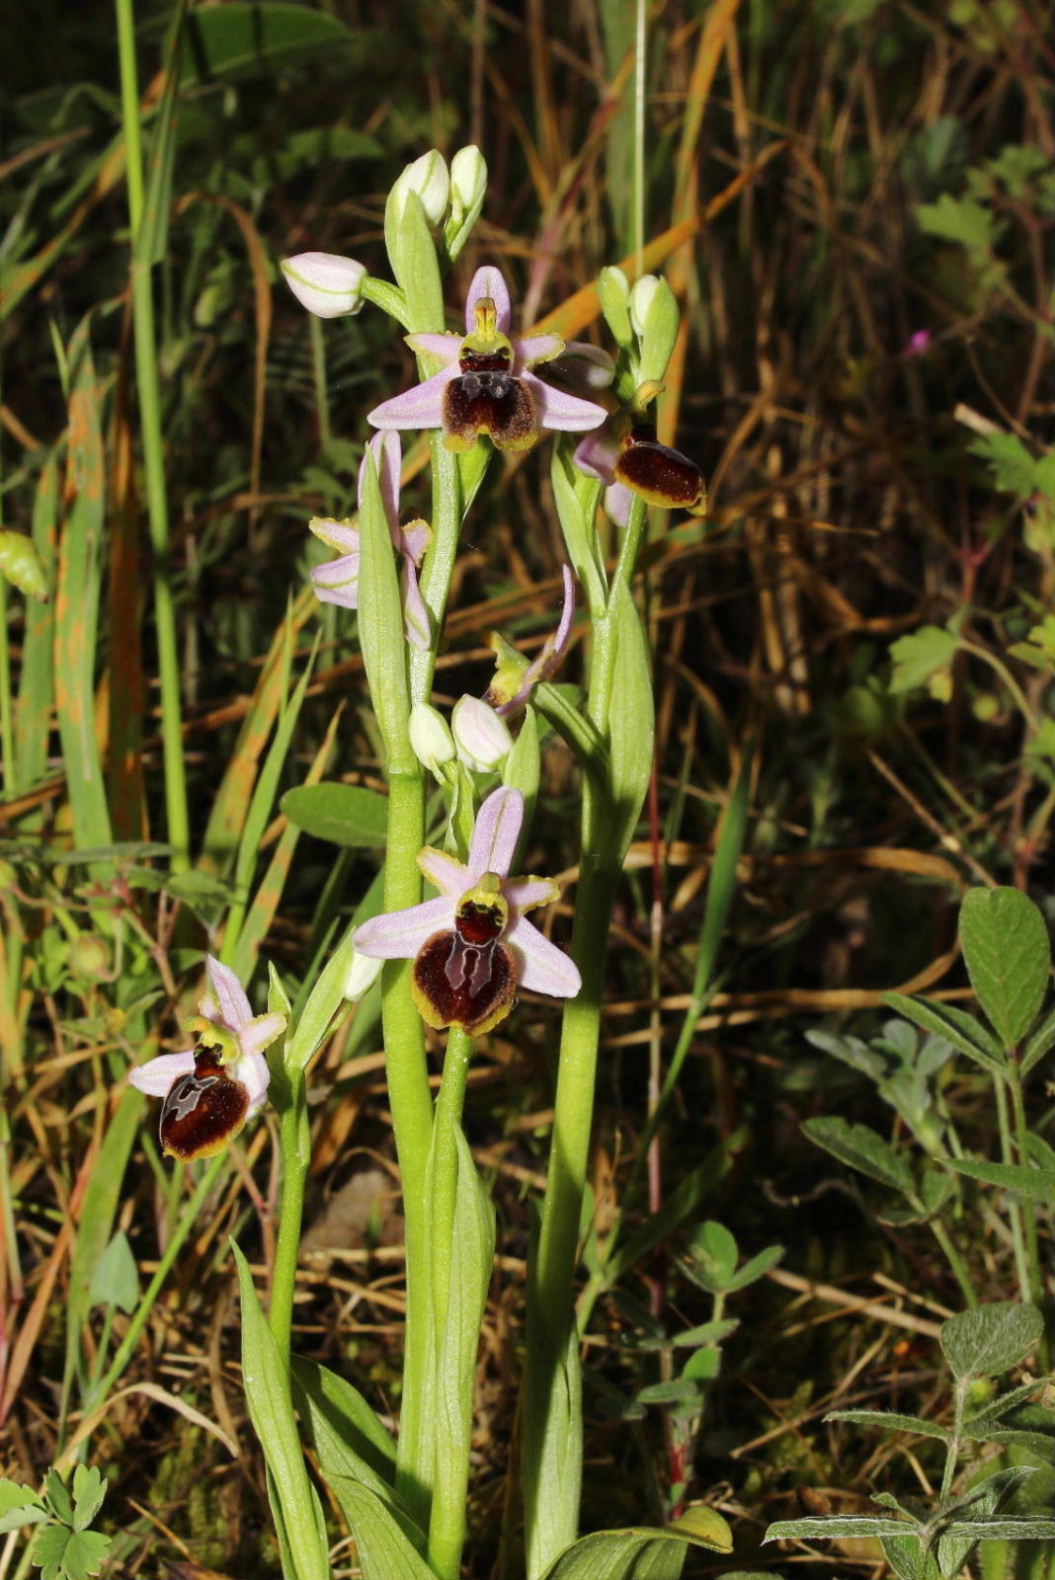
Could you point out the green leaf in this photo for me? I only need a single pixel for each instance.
(891, 1421)
(905, 1554)
(1014, 468)
(862, 1149)
(348, 1437)
(920, 655)
(89, 1495)
(63, 1554)
(1024, 1182)
(990, 1339)
(833, 1527)
(381, 635)
(965, 1033)
(1041, 1042)
(343, 814)
(754, 1269)
(270, 1407)
(706, 1333)
(641, 1554)
(115, 1281)
(384, 1551)
(714, 1251)
(631, 727)
(1008, 953)
(237, 40)
(958, 219)
(1024, 1529)
(19, 1506)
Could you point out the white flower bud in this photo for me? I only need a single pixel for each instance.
(641, 295)
(430, 179)
(361, 975)
(430, 737)
(325, 283)
(482, 737)
(468, 189)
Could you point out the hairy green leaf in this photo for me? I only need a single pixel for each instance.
(1008, 953)
(990, 1339)
(862, 1149)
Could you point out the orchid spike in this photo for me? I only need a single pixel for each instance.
(337, 582)
(485, 384)
(473, 947)
(514, 678)
(213, 1088)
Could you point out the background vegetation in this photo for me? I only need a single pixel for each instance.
(855, 655)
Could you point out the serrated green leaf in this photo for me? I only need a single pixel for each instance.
(920, 655)
(345, 815)
(965, 1033)
(990, 1339)
(891, 1421)
(1014, 468)
(1025, 1183)
(1008, 954)
(63, 1554)
(19, 1506)
(59, 1497)
(89, 1495)
(958, 219)
(861, 1149)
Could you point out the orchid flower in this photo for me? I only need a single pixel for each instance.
(485, 385)
(472, 947)
(628, 458)
(515, 679)
(338, 581)
(213, 1088)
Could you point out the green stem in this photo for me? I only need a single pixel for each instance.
(955, 1260)
(148, 385)
(1014, 1211)
(7, 720)
(142, 1312)
(1036, 1274)
(295, 1146)
(322, 391)
(448, 1523)
(550, 1316)
(411, 1103)
(952, 1447)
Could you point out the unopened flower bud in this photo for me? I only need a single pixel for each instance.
(430, 737)
(654, 314)
(20, 565)
(89, 956)
(641, 293)
(430, 179)
(613, 287)
(325, 283)
(468, 188)
(482, 737)
(362, 973)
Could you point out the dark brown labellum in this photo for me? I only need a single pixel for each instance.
(490, 401)
(661, 476)
(460, 983)
(203, 1111)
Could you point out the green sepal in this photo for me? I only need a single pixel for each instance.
(412, 255)
(21, 565)
(613, 288)
(661, 333)
(523, 766)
